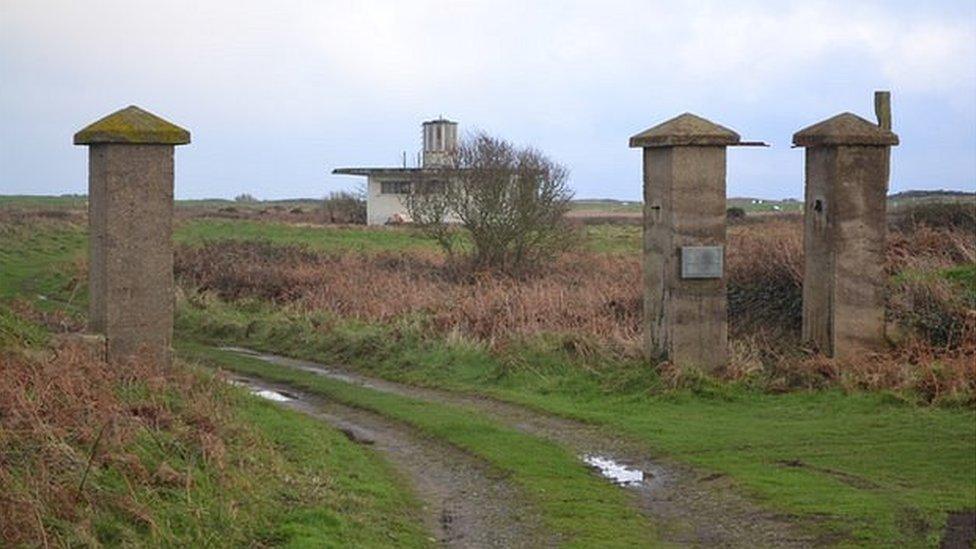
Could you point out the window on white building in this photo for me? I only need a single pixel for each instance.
(395, 187)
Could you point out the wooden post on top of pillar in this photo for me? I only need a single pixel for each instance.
(845, 200)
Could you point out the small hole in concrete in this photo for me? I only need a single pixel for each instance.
(817, 205)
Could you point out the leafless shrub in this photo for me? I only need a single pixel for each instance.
(510, 201)
(344, 207)
(431, 209)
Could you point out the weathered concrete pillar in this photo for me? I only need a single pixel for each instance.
(684, 240)
(130, 213)
(844, 233)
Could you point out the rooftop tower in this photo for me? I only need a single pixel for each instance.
(440, 140)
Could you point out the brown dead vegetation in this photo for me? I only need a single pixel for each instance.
(597, 297)
(64, 415)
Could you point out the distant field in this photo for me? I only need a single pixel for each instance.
(903, 199)
(81, 201)
(317, 237)
(580, 208)
(607, 206)
(39, 201)
(764, 205)
(583, 208)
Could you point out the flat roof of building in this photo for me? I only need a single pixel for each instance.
(375, 171)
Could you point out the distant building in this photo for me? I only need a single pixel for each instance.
(386, 187)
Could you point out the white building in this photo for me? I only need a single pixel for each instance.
(385, 187)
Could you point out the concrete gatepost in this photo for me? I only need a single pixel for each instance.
(684, 241)
(845, 200)
(130, 217)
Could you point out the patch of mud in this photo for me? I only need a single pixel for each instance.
(465, 502)
(686, 510)
(960, 530)
(847, 478)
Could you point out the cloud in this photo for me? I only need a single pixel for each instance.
(347, 81)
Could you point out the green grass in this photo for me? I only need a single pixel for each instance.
(351, 497)
(869, 466)
(38, 258)
(293, 482)
(15, 332)
(582, 510)
(27, 201)
(625, 239)
(316, 237)
(965, 276)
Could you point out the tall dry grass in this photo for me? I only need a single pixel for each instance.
(595, 294)
(598, 297)
(64, 415)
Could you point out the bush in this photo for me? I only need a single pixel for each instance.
(735, 214)
(936, 215)
(235, 269)
(245, 197)
(345, 207)
(935, 308)
(511, 202)
(765, 278)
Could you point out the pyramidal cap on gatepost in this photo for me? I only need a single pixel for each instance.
(132, 125)
(685, 130)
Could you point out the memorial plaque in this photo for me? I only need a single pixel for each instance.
(701, 261)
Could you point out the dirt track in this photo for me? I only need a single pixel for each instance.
(466, 504)
(688, 508)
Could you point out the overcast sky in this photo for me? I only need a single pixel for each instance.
(278, 93)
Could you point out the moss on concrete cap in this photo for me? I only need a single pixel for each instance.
(132, 125)
(686, 129)
(844, 129)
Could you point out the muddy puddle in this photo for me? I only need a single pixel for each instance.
(614, 471)
(268, 394)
